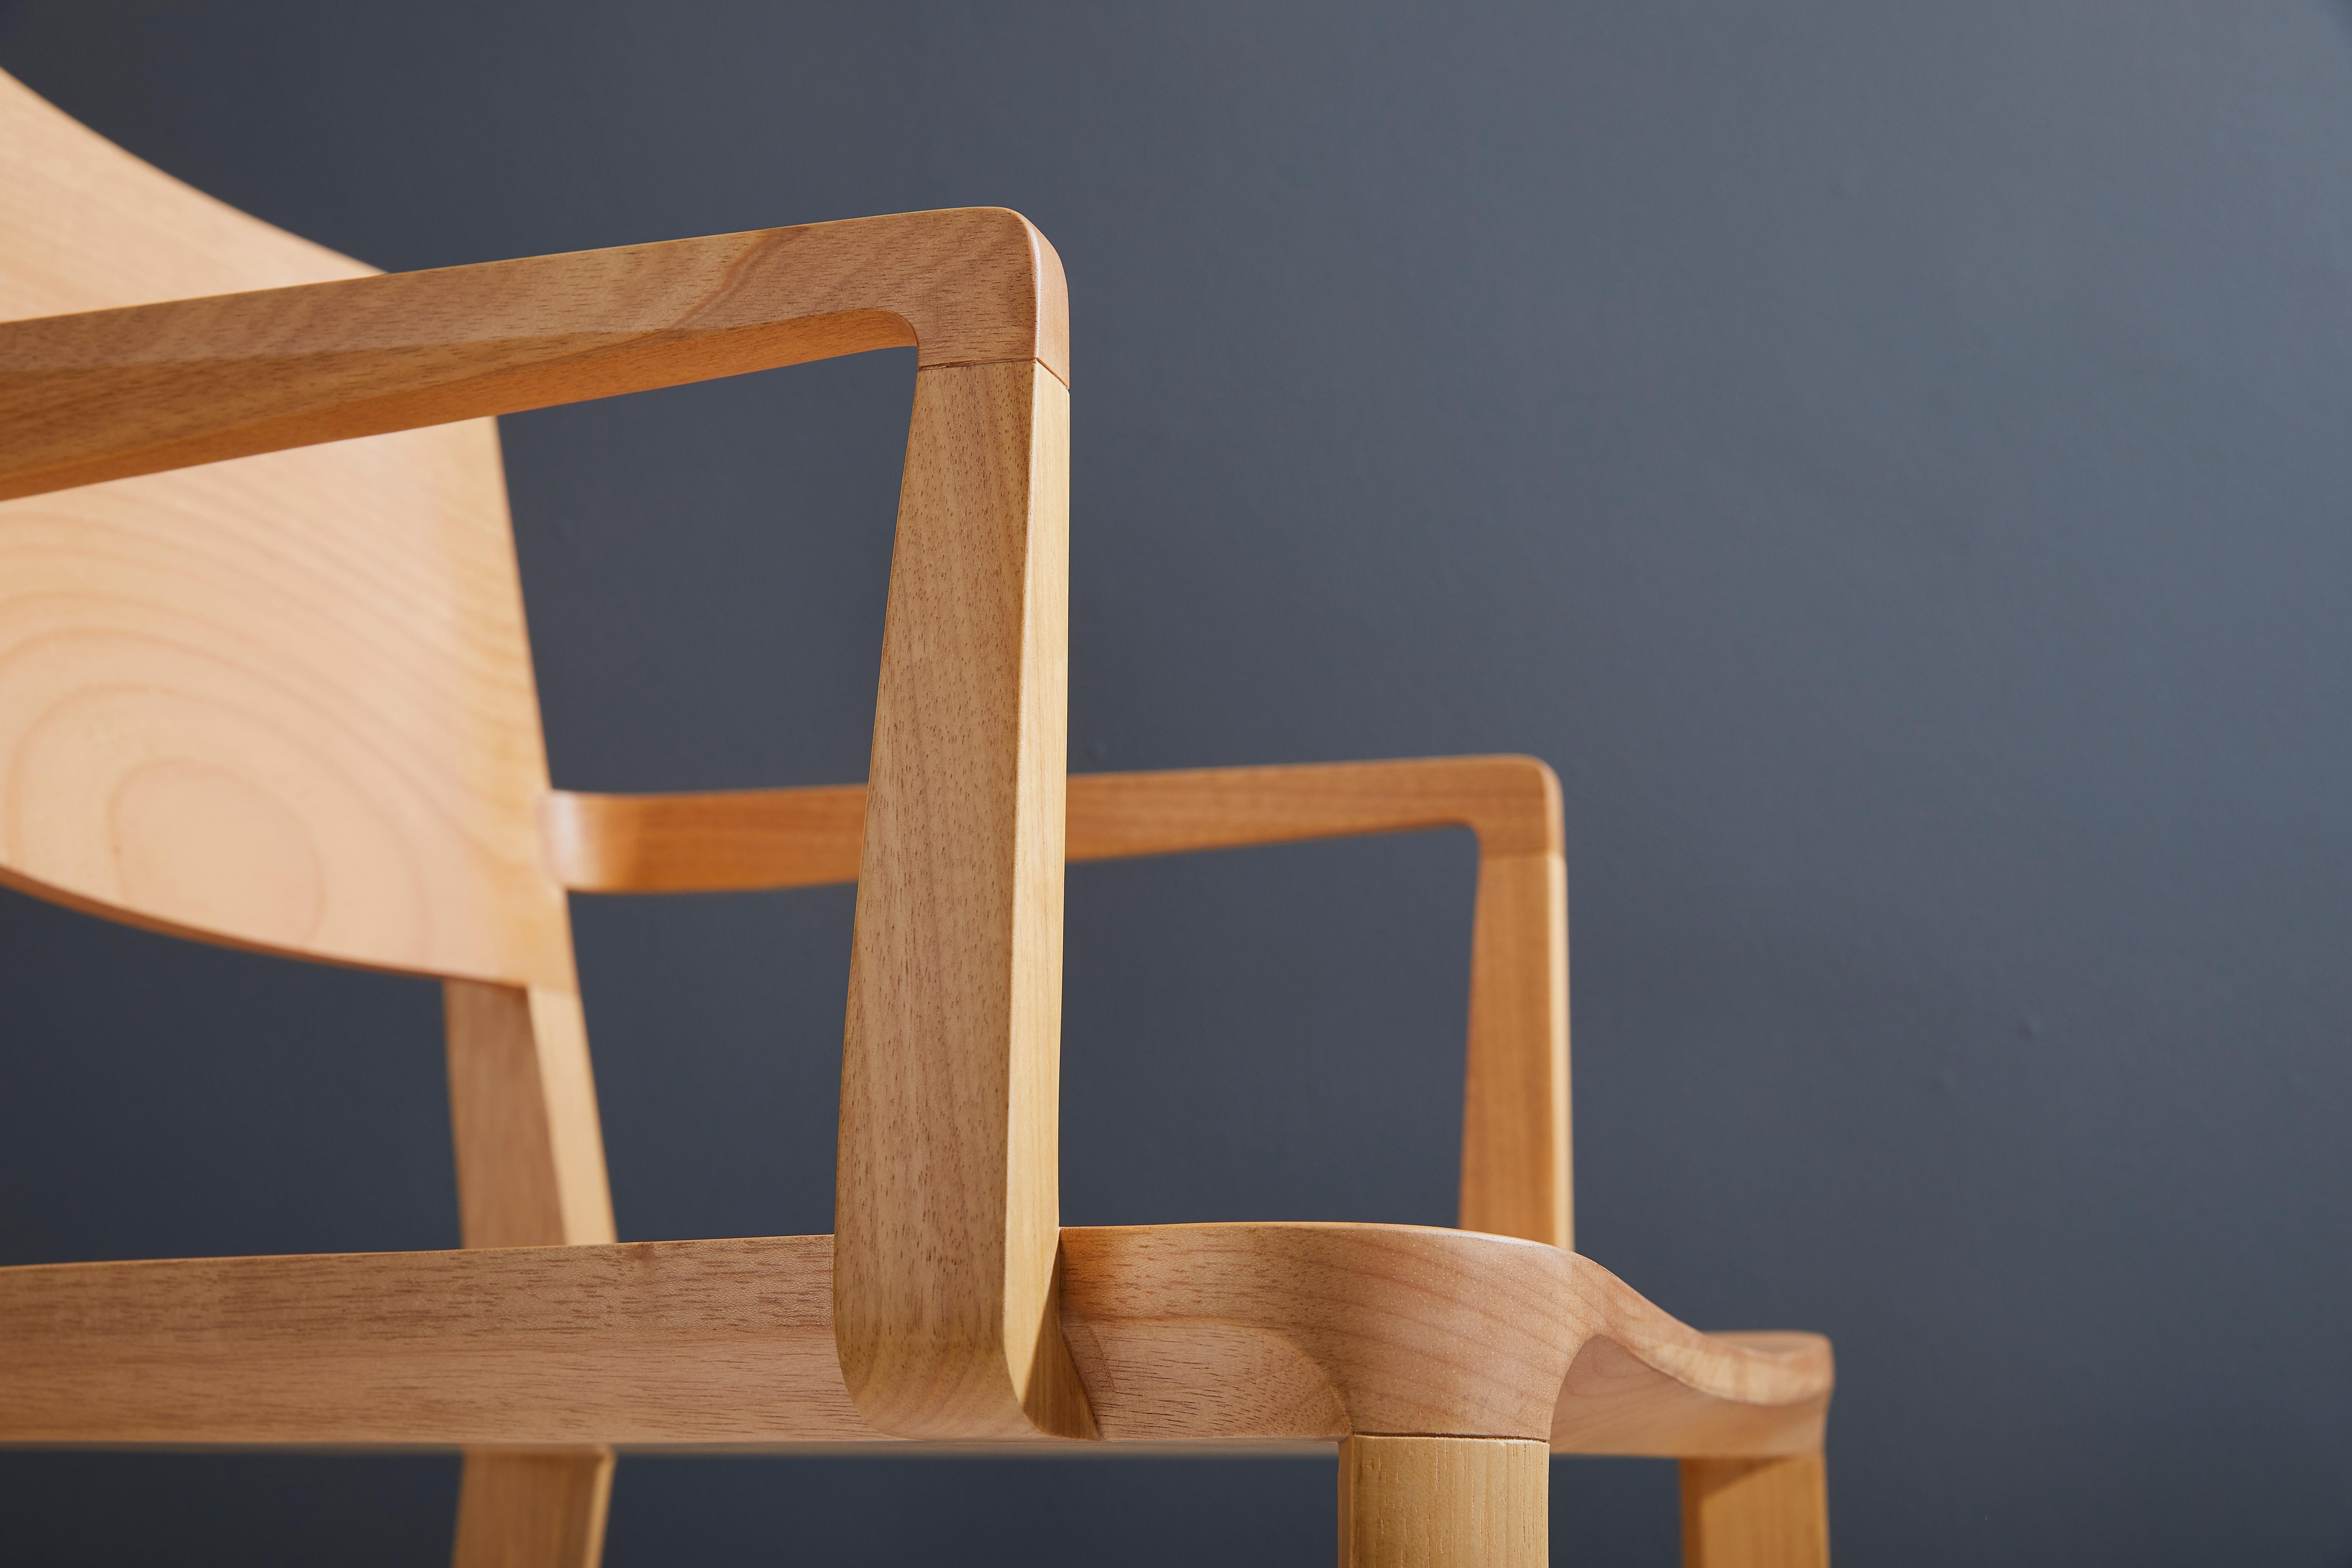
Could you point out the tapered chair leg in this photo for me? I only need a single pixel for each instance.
(533, 1510)
(1443, 1502)
(531, 1173)
(1756, 1513)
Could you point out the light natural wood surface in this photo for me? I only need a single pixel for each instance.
(284, 702)
(1225, 1332)
(948, 1194)
(1515, 1103)
(531, 1173)
(730, 840)
(522, 1111)
(84, 226)
(1211, 1334)
(136, 390)
(280, 697)
(1515, 1163)
(1443, 1502)
(946, 1205)
(533, 1510)
(717, 841)
(1756, 1513)
(1512, 804)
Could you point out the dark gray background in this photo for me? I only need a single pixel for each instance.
(1892, 458)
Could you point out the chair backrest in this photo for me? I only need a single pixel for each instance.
(283, 701)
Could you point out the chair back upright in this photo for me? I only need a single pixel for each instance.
(284, 702)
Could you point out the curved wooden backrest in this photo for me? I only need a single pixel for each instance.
(283, 701)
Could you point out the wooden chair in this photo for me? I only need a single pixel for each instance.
(264, 683)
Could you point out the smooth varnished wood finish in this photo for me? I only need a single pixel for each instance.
(947, 1207)
(1212, 1335)
(1222, 1332)
(531, 1173)
(84, 226)
(522, 1113)
(284, 702)
(1443, 1502)
(733, 840)
(533, 1510)
(649, 1343)
(959, 908)
(1515, 1104)
(114, 393)
(722, 841)
(1756, 1513)
(1515, 1146)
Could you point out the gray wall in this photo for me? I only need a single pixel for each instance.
(1890, 457)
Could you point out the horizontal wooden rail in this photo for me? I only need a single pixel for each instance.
(108, 394)
(1214, 1334)
(737, 840)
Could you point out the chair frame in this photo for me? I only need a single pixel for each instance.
(950, 1307)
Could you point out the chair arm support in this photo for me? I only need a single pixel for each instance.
(947, 1212)
(1515, 1153)
(110, 394)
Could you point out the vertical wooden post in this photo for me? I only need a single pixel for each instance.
(1756, 1513)
(1515, 1174)
(531, 1173)
(947, 1208)
(533, 1509)
(1443, 1502)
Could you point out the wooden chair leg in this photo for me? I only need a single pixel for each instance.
(531, 1173)
(1756, 1513)
(533, 1510)
(1443, 1502)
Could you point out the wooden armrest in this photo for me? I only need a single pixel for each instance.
(108, 393)
(947, 1214)
(1515, 1146)
(736, 840)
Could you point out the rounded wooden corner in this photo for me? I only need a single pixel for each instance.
(111, 394)
(1512, 802)
(1010, 301)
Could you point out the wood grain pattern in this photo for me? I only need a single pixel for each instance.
(1443, 1502)
(1756, 1513)
(533, 1347)
(533, 1510)
(1511, 803)
(716, 841)
(88, 226)
(733, 840)
(1515, 1105)
(111, 394)
(1206, 1335)
(309, 666)
(1222, 1332)
(1515, 1137)
(947, 1200)
(531, 1173)
(284, 702)
(522, 1113)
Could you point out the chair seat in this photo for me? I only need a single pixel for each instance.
(1206, 1336)
(1318, 1330)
